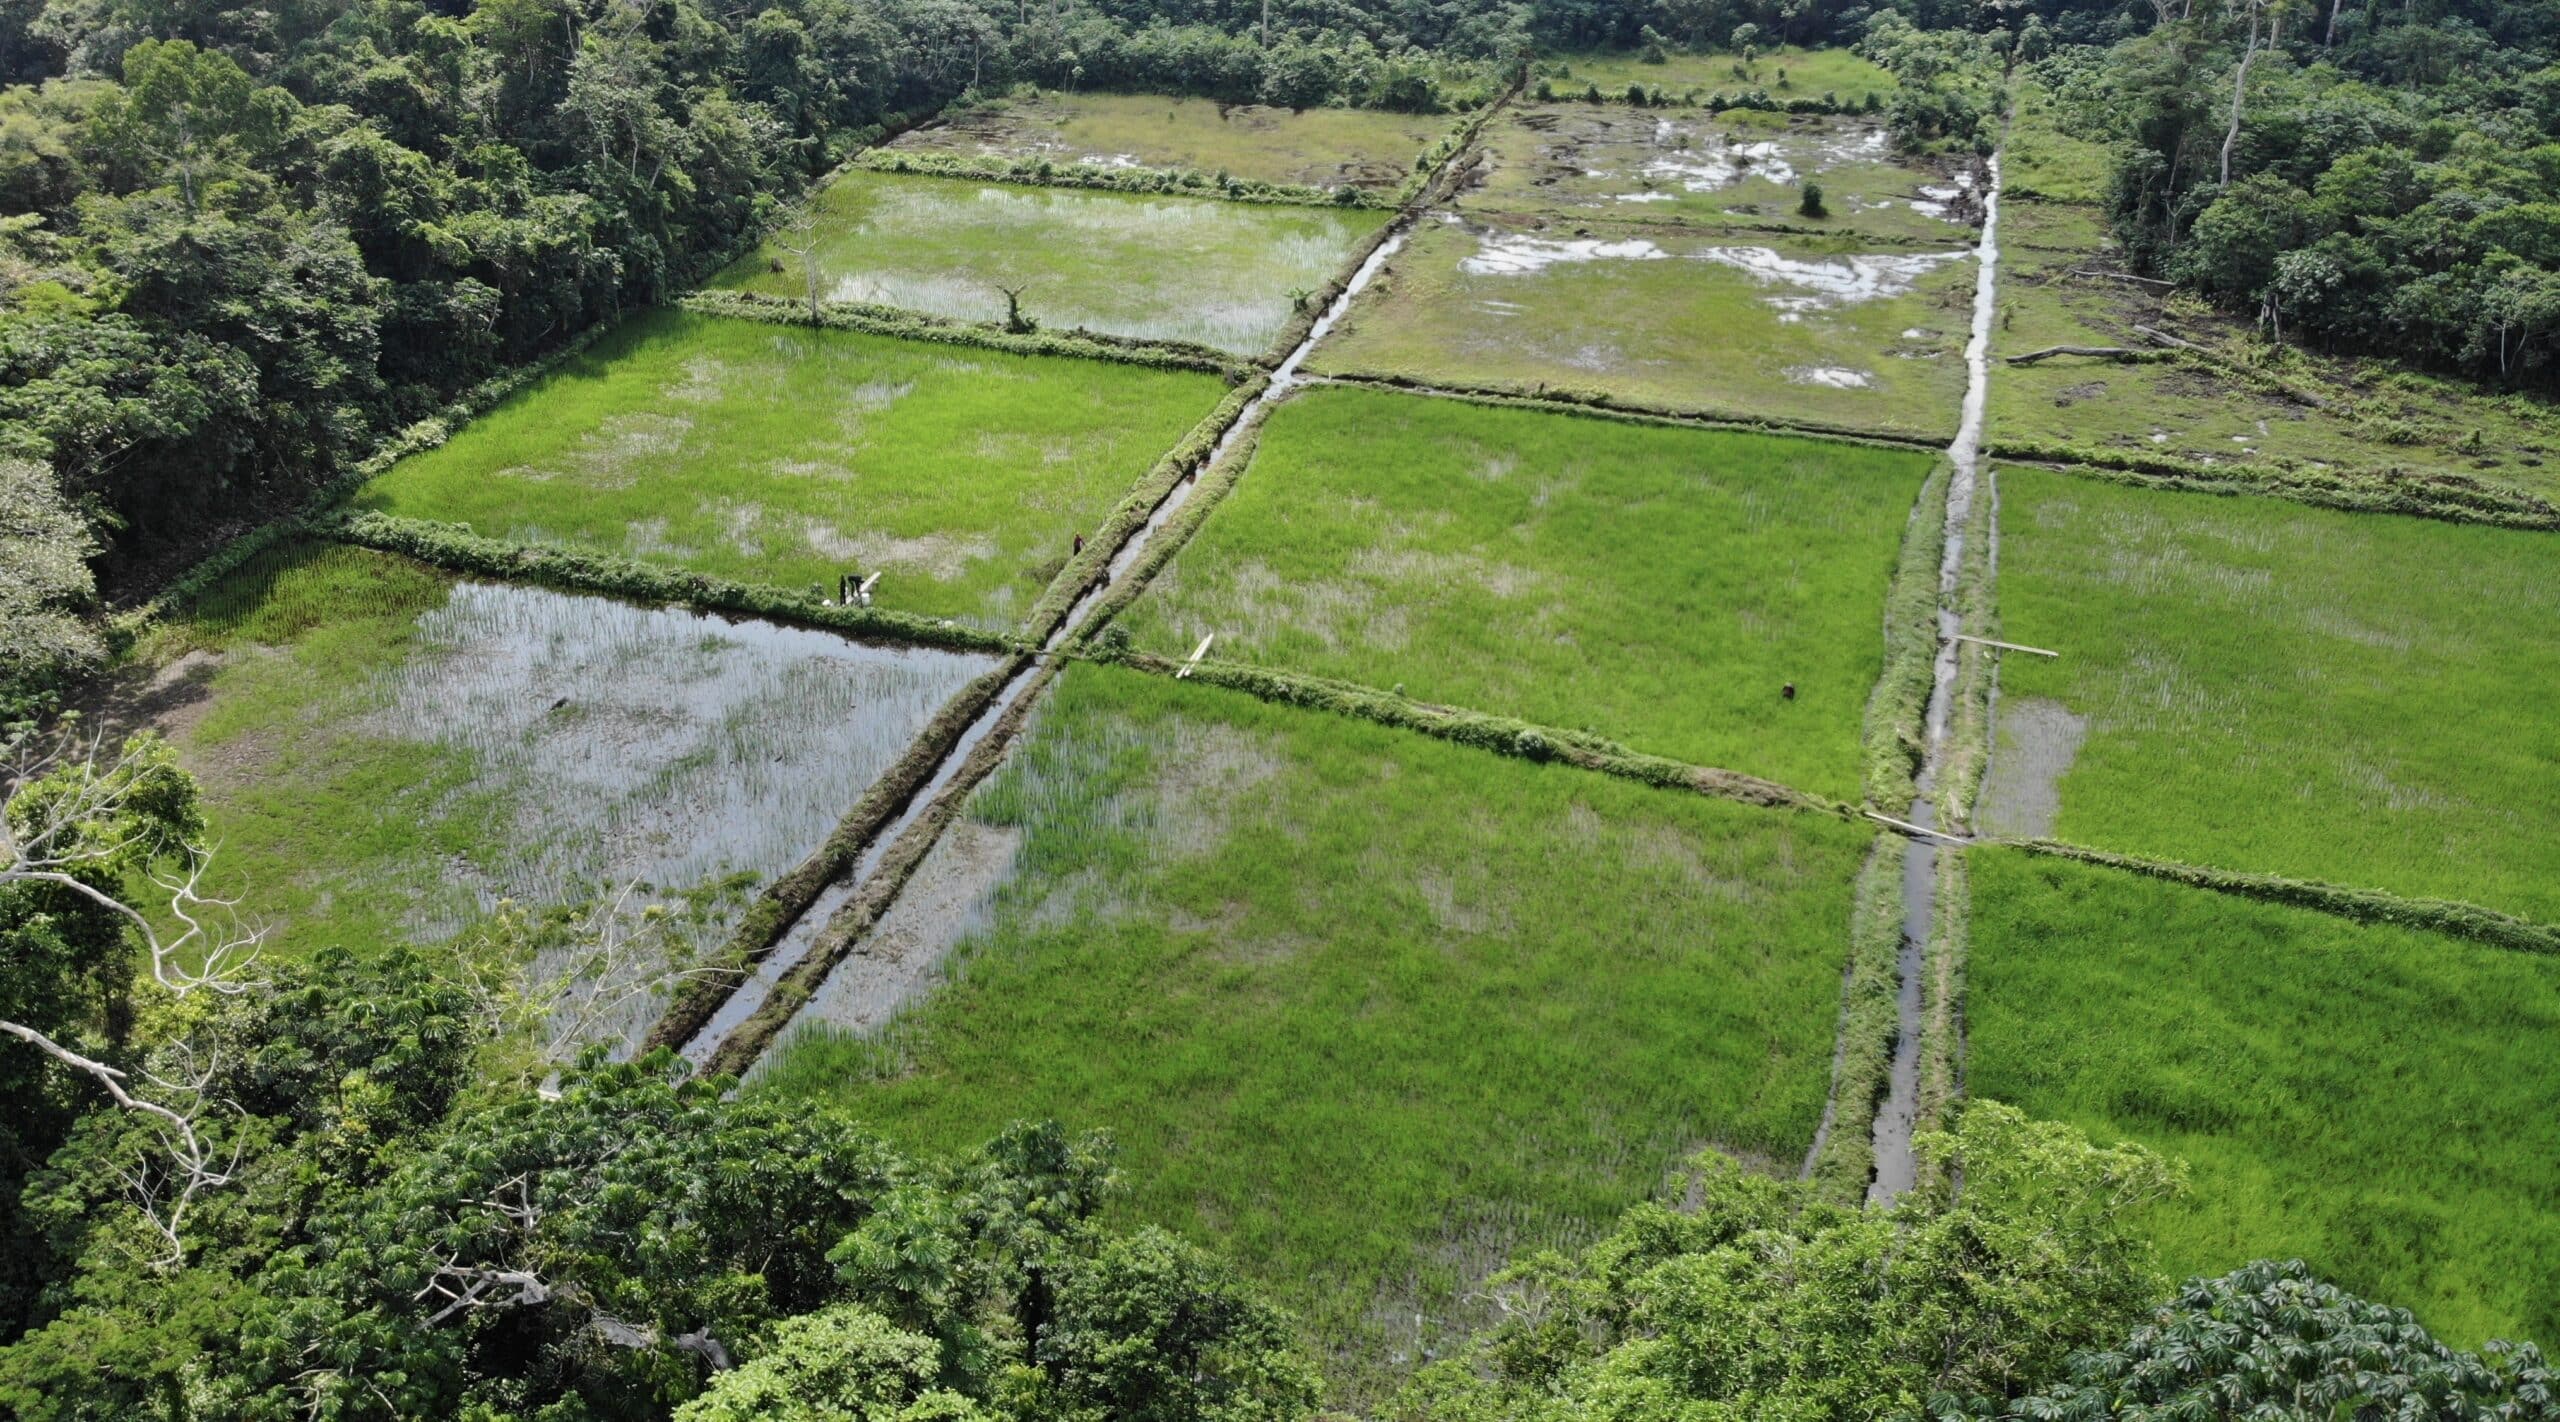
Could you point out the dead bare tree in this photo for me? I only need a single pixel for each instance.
(587, 975)
(46, 838)
(2259, 11)
(1014, 320)
(804, 227)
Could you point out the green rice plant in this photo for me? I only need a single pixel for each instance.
(2372, 1100)
(1831, 332)
(1168, 268)
(1651, 584)
(789, 457)
(1372, 1011)
(386, 751)
(2291, 691)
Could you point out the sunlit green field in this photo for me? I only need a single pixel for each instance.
(1369, 1011)
(2040, 159)
(2371, 1100)
(779, 455)
(2351, 697)
(1365, 148)
(1735, 169)
(1218, 273)
(1744, 326)
(387, 751)
(1785, 72)
(2375, 417)
(1658, 585)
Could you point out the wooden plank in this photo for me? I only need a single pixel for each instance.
(1196, 654)
(2005, 646)
(1909, 828)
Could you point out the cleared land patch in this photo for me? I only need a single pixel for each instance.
(1216, 273)
(387, 751)
(1787, 72)
(2370, 1099)
(1656, 585)
(1369, 1010)
(2240, 404)
(1824, 333)
(789, 456)
(1321, 148)
(1739, 168)
(2267, 687)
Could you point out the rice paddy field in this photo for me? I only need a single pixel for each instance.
(1803, 331)
(1201, 270)
(1785, 72)
(1320, 148)
(1369, 1011)
(1658, 585)
(2269, 687)
(387, 751)
(788, 456)
(1739, 168)
(2372, 1100)
(2255, 406)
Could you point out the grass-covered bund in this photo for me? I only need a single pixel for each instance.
(2357, 698)
(1371, 1010)
(2372, 1100)
(1368, 149)
(1654, 584)
(1201, 270)
(768, 454)
(385, 749)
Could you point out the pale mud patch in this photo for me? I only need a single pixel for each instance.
(1828, 283)
(1833, 377)
(939, 556)
(1181, 809)
(171, 698)
(2034, 742)
(649, 538)
(706, 381)
(950, 897)
(1516, 254)
(618, 452)
(826, 471)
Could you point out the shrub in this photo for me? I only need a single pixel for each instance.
(1810, 205)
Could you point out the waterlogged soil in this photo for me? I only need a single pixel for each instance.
(1740, 168)
(395, 770)
(1798, 330)
(1320, 148)
(2321, 411)
(2034, 741)
(1222, 274)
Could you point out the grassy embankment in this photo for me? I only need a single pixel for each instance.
(2369, 1099)
(1166, 268)
(1370, 1011)
(782, 456)
(1621, 313)
(2355, 698)
(1652, 584)
(1319, 148)
(1786, 72)
(385, 749)
(1742, 168)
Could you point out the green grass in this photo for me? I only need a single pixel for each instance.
(787, 456)
(1738, 168)
(2372, 1100)
(1682, 330)
(2377, 418)
(2352, 697)
(1367, 1011)
(1808, 74)
(385, 749)
(1163, 268)
(1657, 585)
(1364, 148)
(2039, 160)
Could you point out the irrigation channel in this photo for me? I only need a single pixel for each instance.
(1895, 1169)
(853, 903)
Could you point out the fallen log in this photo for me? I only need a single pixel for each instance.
(2095, 352)
(2119, 276)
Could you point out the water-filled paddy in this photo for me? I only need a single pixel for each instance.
(1737, 168)
(781, 455)
(1790, 329)
(2359, 698)
(387, 752)
(1320, 148)
(1218, 273)
(2373, 1100)
(1370, 1011)
(1657, 585)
